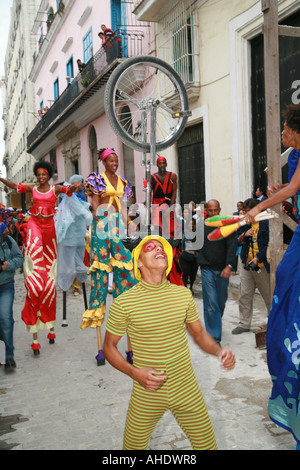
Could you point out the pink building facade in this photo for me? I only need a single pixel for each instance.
(72, 123)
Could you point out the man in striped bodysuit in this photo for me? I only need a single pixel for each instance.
(155, 314)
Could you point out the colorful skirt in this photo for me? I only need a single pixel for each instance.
(107, 255)
(40, 266)
(283, 342)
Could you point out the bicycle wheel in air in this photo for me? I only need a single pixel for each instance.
(134, 87)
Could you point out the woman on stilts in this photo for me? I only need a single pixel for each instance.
(110, 224)
(284, 317)
(40, 256)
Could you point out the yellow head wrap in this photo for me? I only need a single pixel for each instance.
(136, 253)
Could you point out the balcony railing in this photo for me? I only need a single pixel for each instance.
(87, 82)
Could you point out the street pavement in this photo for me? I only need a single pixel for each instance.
(61, 400)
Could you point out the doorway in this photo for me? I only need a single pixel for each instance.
(191, 165)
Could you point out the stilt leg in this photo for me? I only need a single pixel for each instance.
(64, 323)
(51, 336)
(100, 356)
(84, 295)
(35, 345)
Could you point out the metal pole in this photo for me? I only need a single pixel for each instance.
(64, 323)
(84, 295)
(148, 193)
(147, 163)
(151, 160)
(155, 103)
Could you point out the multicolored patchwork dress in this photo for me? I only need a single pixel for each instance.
(108, 253)
(40, 262)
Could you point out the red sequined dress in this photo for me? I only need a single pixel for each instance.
(40, 263)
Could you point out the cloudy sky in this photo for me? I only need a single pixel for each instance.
(5, 6)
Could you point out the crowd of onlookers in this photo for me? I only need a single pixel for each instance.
(15, 221)
(247, 249)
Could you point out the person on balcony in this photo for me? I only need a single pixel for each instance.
(111, 43)
(81, 65)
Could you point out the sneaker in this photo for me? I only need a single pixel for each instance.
(238, 330)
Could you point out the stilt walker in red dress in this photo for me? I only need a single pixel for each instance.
(40, 257)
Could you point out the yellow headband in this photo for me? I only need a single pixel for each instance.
(136, 253)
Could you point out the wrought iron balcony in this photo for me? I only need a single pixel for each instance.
(86, 83)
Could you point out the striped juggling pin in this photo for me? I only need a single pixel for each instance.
(228, 225)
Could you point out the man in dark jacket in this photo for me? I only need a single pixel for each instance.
(254, 274)
(215, 259)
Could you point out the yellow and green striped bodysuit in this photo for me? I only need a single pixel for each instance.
(155, 318)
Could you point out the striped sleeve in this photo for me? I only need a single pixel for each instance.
(117, 320)
(192, 312)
